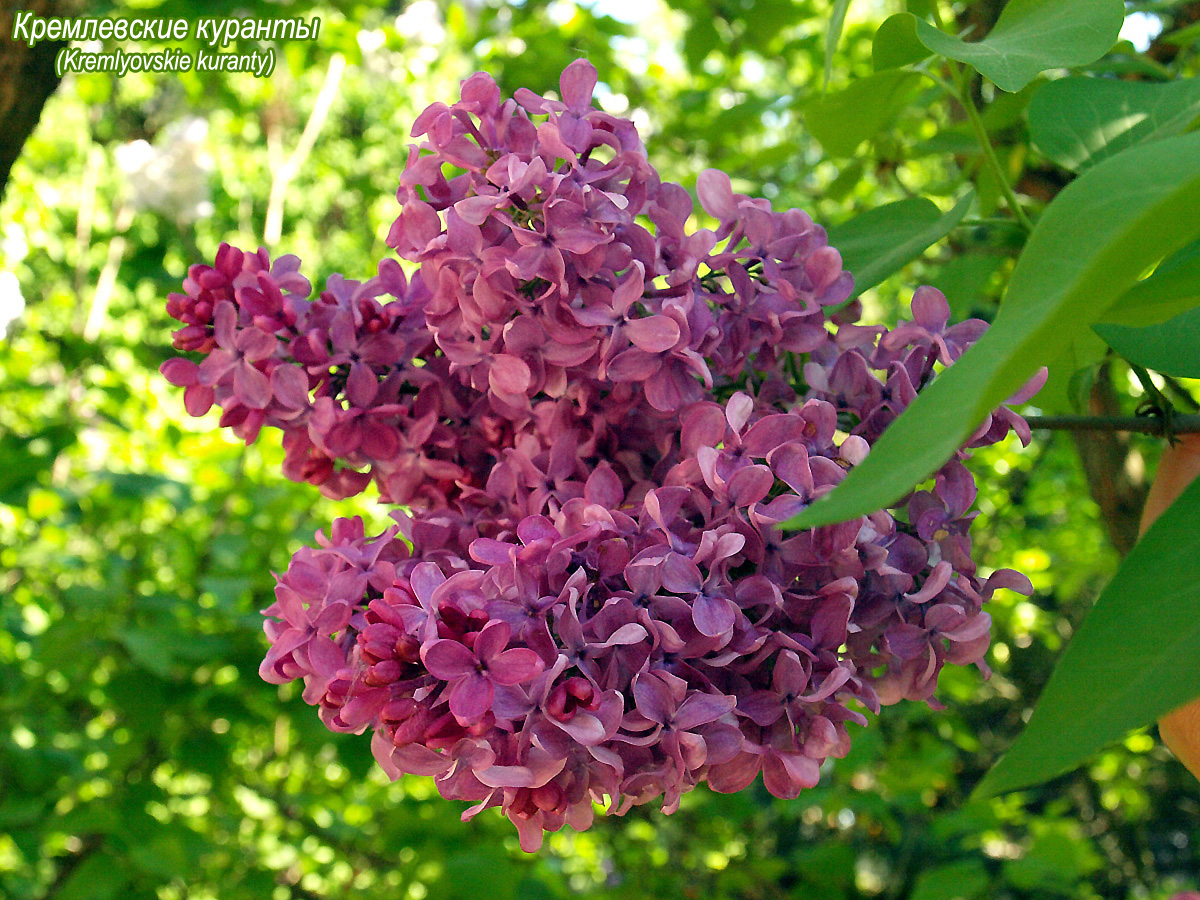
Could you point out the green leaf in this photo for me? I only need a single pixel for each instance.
(882, 240)
(1077, 122)
(1032, 36)
(843, 120)
(1055, 862)
(896, 43)
(963, 280)
(1072, 374)
(1097, 236)
(149, 649)
(962, 880)
(1135, 657)
(1172, 347)
(837, 21)
(1173, 288)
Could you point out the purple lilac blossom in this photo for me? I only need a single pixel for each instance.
(595, 431)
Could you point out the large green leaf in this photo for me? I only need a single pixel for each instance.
(1031, 36)
(1093, 241)
(1078, 122)
(1171, 347)
(880, 241)
(843, 120)
(1136, 656)
(1173, 288)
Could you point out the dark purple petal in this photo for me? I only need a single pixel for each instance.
(652, 698)
(713, 616)
(699, 709)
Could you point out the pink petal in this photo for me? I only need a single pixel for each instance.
(769, 432)
(491, 641)
(787, 774)
(362, 385)
(509, 375)
(251, 386)
(653, 698)
(515, 666)
(681, 575)
(653, 334)
(750, 484)
(700, 709)
(633, 365)
(736, 775)
(180, 372)
(198, 399)
(289, 384)
(448, 660)
(417, 759)
(471, 697)
(930, 309)
(716, 194)
(713, 616)
(379, 441)
(761, 707)
(576, 83)
(325, 656)
(426, 578)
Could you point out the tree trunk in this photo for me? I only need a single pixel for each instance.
(27, 79)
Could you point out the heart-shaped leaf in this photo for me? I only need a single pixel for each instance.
(1091, 244)
(1030, 37)
(882, 240)
(896, 43)
(1136, 656)
(1078, 122)
(844, 119)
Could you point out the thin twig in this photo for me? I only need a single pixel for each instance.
(108, 275)
(87, 210)
(273, 227)
(1136, 424)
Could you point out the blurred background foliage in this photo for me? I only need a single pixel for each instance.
(140, 754)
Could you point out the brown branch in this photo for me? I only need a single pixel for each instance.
(1112, 467)
(27, 78)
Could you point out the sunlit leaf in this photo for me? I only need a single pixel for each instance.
(1030, 37)
(1078, 122)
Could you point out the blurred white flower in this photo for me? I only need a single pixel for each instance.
(422, 22)
(12, 304)
(172, 176)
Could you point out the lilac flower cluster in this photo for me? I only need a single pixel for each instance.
(597, 422)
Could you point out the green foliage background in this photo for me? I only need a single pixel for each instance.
(140, 754)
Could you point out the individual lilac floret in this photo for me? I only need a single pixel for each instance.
(596, 430)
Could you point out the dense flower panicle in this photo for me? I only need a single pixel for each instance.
(598, 431)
